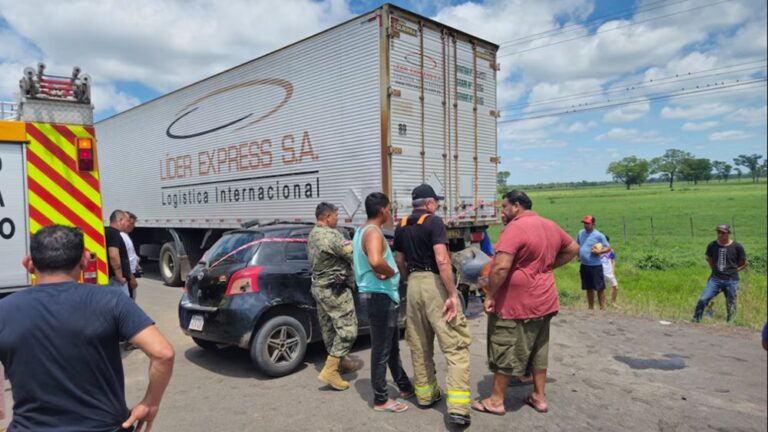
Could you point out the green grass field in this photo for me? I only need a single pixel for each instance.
(661, 270)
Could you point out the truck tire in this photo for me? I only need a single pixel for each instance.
(170, 265)
(279, 346)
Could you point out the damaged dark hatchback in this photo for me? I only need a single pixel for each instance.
(251, 289)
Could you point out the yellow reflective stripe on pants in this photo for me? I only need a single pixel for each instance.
(427, 390)
(459, 397)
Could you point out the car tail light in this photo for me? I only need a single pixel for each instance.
(91, 274)
(476, 236)
(244, 281)
(85, 154)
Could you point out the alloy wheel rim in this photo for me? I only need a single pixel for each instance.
(282, 345)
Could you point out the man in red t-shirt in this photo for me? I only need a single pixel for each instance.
(522, 299)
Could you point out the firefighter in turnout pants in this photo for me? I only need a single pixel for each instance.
(332, 284)
(433, 308)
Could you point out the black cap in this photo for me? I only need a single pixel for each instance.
(724, 228)
(424, 191)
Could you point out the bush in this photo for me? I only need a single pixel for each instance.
(654, 261)
(757, 263)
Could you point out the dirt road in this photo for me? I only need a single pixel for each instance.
(608, 372)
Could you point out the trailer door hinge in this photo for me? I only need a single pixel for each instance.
(495, 113)
(496, 66)
(395, 150)
(496, 159)
(394, 92)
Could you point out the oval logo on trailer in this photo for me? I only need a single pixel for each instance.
(285, 85)
(413, 58)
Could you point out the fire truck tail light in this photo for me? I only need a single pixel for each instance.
(85, 154)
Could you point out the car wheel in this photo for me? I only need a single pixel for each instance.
(170, 266)
(205, 344)
(279, 346)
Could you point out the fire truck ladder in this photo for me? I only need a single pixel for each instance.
(38, 85)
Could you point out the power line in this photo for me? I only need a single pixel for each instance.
(635, 100)
(578, 26)
(667, 80)
(612, 29)
(679, 95)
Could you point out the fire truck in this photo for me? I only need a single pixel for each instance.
(49, 171)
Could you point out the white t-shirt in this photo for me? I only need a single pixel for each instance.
(606, 261)
(133, 259)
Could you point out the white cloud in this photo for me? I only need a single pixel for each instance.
(631, 135)
(628, 113)
(527, 130)
(750, 116)
(729, 135)
(164, 45)
(693, 127)
(509, 92)
(695, 112)
(533, 144)
(579, 127)
(106, 98)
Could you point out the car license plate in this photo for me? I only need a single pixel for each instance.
(196, 323)
(455, 234)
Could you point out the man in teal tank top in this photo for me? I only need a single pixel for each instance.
(378, 280)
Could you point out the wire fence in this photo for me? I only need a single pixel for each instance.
(661, 228)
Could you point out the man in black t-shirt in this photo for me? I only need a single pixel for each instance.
(726, 258)
(433, 308)
(117, 253)
(59, 344)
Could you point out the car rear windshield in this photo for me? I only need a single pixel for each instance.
(230, 243)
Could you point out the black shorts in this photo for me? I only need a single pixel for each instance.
(592, 277)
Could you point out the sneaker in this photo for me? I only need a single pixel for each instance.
(459, 419)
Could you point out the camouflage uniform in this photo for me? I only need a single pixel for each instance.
(332, 283)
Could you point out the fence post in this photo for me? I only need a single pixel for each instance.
(691, 219)
(653, 231)
(625, 228)
(733, 225)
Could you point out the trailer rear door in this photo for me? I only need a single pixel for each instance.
(443, 119)
(13, 216)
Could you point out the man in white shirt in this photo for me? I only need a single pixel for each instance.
(133, 258)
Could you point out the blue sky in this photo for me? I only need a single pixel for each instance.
(659, 50)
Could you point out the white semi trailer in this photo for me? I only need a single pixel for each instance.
(382, 102)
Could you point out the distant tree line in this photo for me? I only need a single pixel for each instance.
(675, 165)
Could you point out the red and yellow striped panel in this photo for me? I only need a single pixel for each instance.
(58, 192)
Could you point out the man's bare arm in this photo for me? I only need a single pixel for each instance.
(742, 265)
(401, 265)
(443, 259)
(161, 356)
(114, 261)
(373, 245)
(502, 264)
(566, 255)
(709, 261)
(451, 307)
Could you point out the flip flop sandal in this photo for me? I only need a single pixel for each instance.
(395, 407)
(480, 406)
(529, 401)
